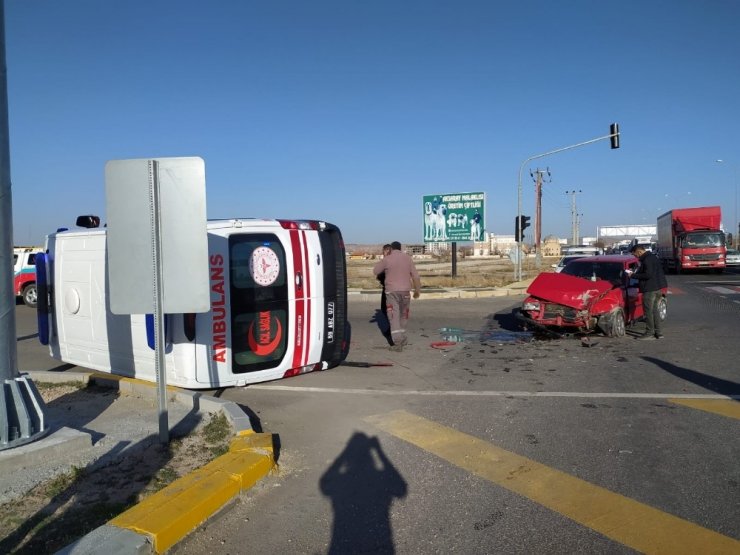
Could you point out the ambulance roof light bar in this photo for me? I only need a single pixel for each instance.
(298, 224)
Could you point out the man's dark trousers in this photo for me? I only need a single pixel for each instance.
(650, 304)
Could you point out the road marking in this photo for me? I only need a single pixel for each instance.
(615, 516)
(723, 407)
(458, 393)
(723, 290)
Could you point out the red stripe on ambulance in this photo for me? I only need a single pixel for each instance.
(299, 315)
(308, 276)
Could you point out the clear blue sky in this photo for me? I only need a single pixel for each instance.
(351, 111)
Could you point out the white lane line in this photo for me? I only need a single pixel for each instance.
(427, 393)
(723, 290)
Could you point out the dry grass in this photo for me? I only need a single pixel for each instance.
(481, 272)
(57, 512)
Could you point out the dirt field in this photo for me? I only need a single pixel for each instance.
(471, 272)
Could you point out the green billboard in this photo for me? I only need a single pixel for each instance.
(454, 217)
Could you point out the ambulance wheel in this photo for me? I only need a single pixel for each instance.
(30, 296)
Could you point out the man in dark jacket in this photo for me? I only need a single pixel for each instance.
(652, 282)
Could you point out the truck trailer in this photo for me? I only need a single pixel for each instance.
(692, 239)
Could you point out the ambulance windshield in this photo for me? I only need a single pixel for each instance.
(259, 301)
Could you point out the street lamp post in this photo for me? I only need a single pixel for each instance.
(613, 135)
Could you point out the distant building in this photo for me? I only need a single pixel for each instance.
(550, 246)
(481, 248)
(416, 250)
(501, 244)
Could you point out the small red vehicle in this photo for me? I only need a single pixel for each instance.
(589, 294)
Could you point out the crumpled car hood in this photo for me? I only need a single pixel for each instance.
(567, 290)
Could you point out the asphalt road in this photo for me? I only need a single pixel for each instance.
(496, 445)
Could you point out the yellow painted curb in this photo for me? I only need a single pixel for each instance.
(170, 514)
(724, 407)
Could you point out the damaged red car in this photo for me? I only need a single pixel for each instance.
(590, 294)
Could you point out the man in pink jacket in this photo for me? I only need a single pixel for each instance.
(400, 276)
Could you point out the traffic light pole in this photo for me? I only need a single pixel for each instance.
(613, 135)
(22, 418)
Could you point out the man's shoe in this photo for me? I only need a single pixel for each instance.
(396, 348)
(647, 337)
(659, 336)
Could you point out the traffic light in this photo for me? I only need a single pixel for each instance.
(524, 225)
(614, 132)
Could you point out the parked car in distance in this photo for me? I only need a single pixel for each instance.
(24, 272)
(568, 258)
(589, 294)
(732, 258)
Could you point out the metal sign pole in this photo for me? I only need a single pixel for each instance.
(454, 259)
(159, 338)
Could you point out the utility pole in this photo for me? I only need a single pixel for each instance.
(613, 137)
(539, 178)
(573, 215)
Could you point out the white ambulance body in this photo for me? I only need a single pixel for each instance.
(278, 307)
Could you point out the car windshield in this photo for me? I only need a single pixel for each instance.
(704, 240)
(584, 268)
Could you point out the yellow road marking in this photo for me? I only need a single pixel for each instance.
(723, 407)
(624, 520)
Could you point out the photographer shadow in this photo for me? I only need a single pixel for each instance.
(362, 484)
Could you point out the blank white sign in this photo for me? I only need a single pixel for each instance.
(131, 238)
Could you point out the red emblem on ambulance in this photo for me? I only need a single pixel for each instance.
(259, 334)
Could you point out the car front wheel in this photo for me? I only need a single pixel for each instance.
(662, 309)
(30, 296)
(615, 323)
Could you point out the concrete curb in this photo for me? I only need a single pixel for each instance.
(166, 517)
